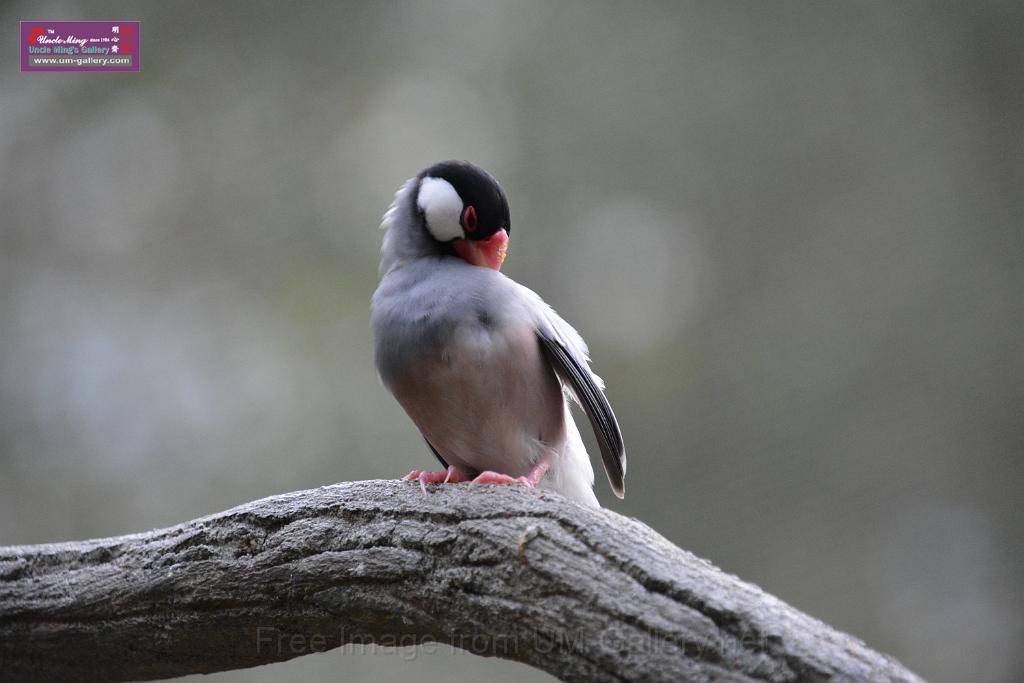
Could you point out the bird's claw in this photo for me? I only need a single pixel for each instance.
(531, 479)
(424, 477)
(491, 477)
(453, 476)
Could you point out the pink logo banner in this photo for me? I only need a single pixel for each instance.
(80, 46)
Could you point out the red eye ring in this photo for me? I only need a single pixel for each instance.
(469, 219)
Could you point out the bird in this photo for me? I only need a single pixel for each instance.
(483, 367)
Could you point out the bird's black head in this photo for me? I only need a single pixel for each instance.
(462, 205)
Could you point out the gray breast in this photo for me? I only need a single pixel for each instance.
(418, 308)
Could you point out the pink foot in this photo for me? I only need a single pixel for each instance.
(424, 477)
(534, 476)
(491, 477)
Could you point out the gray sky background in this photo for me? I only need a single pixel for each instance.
(791, 232)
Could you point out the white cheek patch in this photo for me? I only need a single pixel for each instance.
(442, 206)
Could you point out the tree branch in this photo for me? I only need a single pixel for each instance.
(585, 594)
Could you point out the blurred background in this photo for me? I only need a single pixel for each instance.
(791, 233)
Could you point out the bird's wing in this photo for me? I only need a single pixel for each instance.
(444, 463)
(575, 373)
(567, 353)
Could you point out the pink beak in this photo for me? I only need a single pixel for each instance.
(488, 253)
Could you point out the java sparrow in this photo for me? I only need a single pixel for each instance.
(479, 362)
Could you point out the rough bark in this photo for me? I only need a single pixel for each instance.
(585, 594)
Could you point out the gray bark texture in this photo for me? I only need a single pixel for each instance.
(584, 594)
